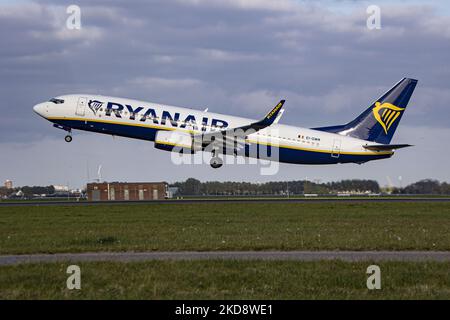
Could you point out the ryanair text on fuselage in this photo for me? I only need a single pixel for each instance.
(147, 114)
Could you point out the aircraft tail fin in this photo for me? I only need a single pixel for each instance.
(379, 122)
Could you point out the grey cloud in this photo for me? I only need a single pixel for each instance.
(237, 57)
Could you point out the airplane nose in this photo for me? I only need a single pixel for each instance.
(39, 109)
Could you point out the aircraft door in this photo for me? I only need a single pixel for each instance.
(81, 106)
(336, 148)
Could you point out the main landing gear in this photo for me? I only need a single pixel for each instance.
(215, 162)
(68, 138)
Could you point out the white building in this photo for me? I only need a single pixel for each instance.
(8, 184)
(61, 189)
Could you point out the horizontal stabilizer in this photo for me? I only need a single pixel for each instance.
(385, 147)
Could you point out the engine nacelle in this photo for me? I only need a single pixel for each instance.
(175, 141)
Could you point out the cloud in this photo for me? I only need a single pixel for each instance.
(237, 57)
(279, 5)
(152, 82)
(216, 55)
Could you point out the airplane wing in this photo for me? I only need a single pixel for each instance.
(385, 147)
(235, 137)
(241, 132)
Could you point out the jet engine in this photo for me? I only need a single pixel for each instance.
(176, 141)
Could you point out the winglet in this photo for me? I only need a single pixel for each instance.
(272, 115)
(280, 114)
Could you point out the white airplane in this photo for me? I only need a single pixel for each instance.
(175, 129)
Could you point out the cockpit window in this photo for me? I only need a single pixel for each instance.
(57, 101)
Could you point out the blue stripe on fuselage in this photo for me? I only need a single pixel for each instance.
(286, 155)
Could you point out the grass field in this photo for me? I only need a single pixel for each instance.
(233, 226)
(230, 226)
(227, 280)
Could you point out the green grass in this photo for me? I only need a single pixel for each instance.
(215, 279)
(318, 197)
(44, 200)
(254, 197)
(231, 226)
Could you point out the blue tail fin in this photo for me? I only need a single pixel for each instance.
(379, 122)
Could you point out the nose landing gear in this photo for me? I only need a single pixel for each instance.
(67, 138)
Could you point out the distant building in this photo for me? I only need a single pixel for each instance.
(124, 191)
(61, 189)
(8, 184)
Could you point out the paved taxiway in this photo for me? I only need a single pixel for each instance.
(228, 200)
(443, 256)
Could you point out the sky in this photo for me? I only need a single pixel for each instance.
(237, 57)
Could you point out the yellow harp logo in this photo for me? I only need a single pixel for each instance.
(386, 114)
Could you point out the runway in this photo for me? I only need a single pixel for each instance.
(226, 200)
(351, 256)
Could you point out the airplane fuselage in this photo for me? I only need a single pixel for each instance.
(142, 120)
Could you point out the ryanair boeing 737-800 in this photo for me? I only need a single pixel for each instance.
(175, 129)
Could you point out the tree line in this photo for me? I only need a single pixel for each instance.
(27, 191)
(427, 186)
(194, 187)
